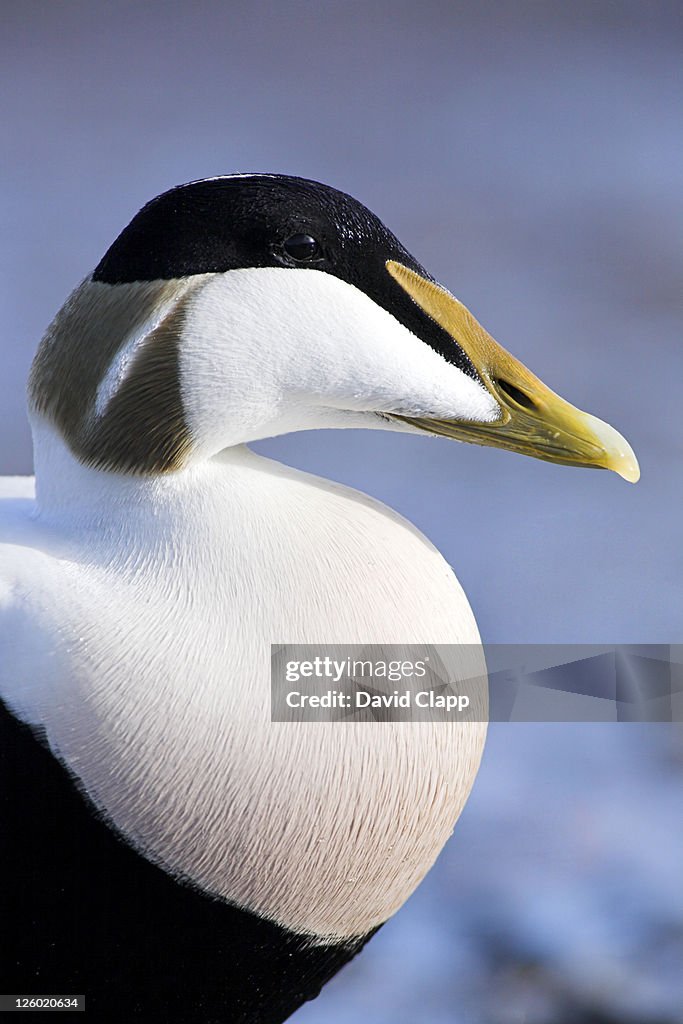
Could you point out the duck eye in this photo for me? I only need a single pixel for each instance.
(301, 247)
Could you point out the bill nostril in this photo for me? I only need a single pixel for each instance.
(517, 396)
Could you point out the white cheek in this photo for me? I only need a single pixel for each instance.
(277, 347)
(365, 360)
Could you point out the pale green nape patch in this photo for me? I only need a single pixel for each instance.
(140, 427)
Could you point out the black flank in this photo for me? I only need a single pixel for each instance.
(82, 912)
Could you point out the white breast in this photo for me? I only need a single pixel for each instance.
(139, 623)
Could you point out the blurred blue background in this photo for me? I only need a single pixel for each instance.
(531, 156)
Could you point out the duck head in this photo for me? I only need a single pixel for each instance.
(241, 307)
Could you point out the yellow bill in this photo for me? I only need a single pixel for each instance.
(534, 420)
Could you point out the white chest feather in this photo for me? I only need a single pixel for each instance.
(138, 630)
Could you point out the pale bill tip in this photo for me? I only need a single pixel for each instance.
(619, 456)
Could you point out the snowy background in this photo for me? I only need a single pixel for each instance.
(531, 156)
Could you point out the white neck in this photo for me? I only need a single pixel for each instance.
(65, 486)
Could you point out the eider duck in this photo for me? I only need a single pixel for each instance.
(167, 849)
